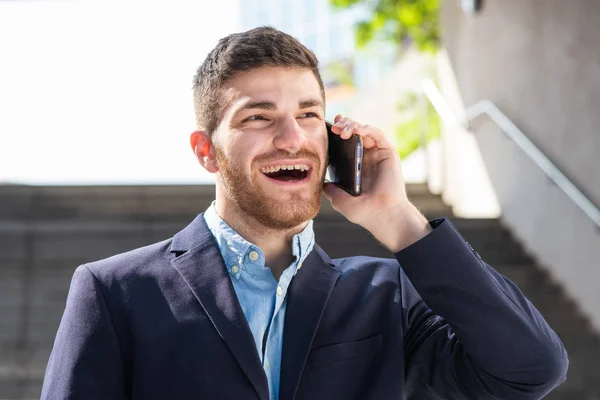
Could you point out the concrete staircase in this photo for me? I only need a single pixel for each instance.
(46, 232)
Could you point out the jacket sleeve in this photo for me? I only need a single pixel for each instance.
(469, 332)
(86, 361)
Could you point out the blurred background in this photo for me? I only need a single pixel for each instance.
(491, 104)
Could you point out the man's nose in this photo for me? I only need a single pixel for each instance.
(291, 137)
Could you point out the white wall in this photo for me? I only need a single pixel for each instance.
(540, 63)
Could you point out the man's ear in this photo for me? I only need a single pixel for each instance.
(204, 150)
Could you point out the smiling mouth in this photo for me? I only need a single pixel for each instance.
(287, 173)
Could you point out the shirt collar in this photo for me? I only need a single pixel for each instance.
(237, 251)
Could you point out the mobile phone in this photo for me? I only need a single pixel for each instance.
(345, 161)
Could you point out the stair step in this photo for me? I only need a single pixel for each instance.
(20, 388)
(46, 232)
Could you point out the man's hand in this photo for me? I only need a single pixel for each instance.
(382, 207)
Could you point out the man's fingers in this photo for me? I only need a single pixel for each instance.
(344, 126)
(372, 137)
(368, 143)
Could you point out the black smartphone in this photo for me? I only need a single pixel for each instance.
(345, 161)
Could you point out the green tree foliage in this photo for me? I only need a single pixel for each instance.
(416, 21)
(409, 133)
(403, 22)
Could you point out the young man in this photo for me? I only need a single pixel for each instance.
(243, 304)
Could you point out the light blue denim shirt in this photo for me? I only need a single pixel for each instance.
(262, 298)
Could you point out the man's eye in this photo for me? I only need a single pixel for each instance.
(256, 118)
(309, 115)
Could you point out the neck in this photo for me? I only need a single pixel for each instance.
(275, 244)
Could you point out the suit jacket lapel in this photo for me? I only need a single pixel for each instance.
(202, 267)
(308, 295)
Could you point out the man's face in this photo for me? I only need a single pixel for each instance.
(271, 145)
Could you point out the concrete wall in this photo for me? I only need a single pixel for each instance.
(539, 61)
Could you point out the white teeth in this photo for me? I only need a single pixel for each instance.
(275, 168)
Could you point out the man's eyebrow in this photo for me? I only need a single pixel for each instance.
(311, 103)
(262, 105)
(267, 105)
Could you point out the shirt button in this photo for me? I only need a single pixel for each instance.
(253, 255)
(235, 269)
(279, 291)
(299, 265)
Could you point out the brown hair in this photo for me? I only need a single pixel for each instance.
(256, 48)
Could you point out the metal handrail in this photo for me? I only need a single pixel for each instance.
(519, 138)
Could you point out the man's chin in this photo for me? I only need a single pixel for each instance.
(285, 209)
(284, 218)
(287, 195)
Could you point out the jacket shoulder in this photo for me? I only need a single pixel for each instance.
(133, 263)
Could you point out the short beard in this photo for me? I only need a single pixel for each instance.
(247, 195)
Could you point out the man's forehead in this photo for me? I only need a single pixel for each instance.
(272, 81)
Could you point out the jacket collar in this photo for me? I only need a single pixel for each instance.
(195, 233)
(201, 265)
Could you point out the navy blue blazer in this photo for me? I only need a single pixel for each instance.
(163, 322)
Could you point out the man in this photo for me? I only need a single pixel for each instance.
(243, 304)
